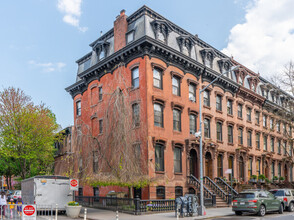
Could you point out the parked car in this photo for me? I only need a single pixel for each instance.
(16, 195)
(256, 201)
(286, 196)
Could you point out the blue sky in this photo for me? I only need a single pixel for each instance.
(41, 39)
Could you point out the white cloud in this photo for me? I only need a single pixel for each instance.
(265, 41)
(72, 11)
(47, 67)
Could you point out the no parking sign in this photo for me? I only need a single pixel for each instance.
(74, 184)
(29, 212)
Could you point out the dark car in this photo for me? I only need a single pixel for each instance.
(256, 201)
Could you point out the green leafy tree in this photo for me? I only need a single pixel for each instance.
(27, 133)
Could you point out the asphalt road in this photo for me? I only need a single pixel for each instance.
(285, 216)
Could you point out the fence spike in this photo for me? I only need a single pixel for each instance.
(85, 214)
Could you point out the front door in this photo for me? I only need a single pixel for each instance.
(193, 163)
(241, 169)
(286, 173)
(266, 170)
(208, 165)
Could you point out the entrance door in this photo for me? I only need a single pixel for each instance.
(208, 165)
(266, 170)
(193, 163)
(137, 193)
(241, 168)
(286, 173)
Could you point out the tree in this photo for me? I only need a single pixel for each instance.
(26, 133)
(116, 156)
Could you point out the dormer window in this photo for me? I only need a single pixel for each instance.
(185, 44)
(87, 64)
(102, 55)
(130, 36)
(101, 49)
(240, 80)
(161, 30)
(224, 66)
(207, 57)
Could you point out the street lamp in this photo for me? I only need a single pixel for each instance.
(199, 133)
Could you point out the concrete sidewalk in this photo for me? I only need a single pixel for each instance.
(99, 214)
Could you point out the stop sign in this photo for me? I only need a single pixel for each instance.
(29, 210)
(74, 183)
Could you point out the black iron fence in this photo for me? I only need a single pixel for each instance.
(133, 206)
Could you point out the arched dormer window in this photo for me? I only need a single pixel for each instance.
(101, 49)
(185, 44)
(161, 30)
(224, 66)
(208, 56)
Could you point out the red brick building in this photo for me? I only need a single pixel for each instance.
(247, 120)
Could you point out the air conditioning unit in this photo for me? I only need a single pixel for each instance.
(192, 99)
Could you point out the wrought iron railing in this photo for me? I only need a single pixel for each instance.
(132, 206)
(209, 197)
(228, 189)
(225, 196)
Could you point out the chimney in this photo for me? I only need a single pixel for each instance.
(120, 30)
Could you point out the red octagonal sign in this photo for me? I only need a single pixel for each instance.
(29, 210)
(73, 183)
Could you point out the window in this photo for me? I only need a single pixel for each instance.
(258, 167)
(249, 139)
(230, 107)
(135, 77)
(102, 55)
(100, 93)
(230, 134)
(264, 119)
(80, 191)
(100, 126)
(178, 191)
(290, 130)
(285, 147)
(257, 137)
(218, 103)
(193, 123)
(273, 144)
(278, 127)
(157, 78)
(130, 36)
(240, 113)
(249, 110)
(176, 85)
(284, 128)
(95, 161)
(249, 168)
(264, 142)
(279, 146)
(177, 120)
(257, 117)
(271, 123)
(87, 64)
(206, 99)
(95, 192)
(273, 169)
(177, 160)
(78, 108)
(160, 192)
(291, 149)
(159, 157)
(240, 136)
(219, 133)
(206, 128)
(158, 115)
(192, 92)
(136, 114)
(231, 166)
(220, 165)
(279, 170)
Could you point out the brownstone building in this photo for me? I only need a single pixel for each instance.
(247, 120)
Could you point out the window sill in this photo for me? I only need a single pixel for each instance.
(240, 145)
(240, 118)
(208, 107)
(249, 147)
(159, 172)
(219, 111)
(278, 132)
(248, 121)
(218, 141)
(178, 96)
(207, 138)
(133, 89)
(257, 124)
(192, 101)
(264, 127)
(92, 106)
(177, 132)
(100, 100)
(232, 144)
(136, 127)
(160, 128)
(230, 115)
(258, 149)
(178, 173)
(157, 88)
(279, 153)
(265, 151)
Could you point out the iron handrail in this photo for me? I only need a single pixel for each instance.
(196, 182)
(216, 188)
(227, 187)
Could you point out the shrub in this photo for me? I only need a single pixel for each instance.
(254, 177)
(261, 177)
(267, 180)
(276, 178)
(73, 203)
(282, 178)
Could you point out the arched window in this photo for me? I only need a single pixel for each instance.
(178, 191)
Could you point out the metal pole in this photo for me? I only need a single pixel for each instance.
(56, 211)
(85, 214)
(116, 217)
(201, 211)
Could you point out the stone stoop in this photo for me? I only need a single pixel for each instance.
(219, 201)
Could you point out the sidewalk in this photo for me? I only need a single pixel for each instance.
(99, 214)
